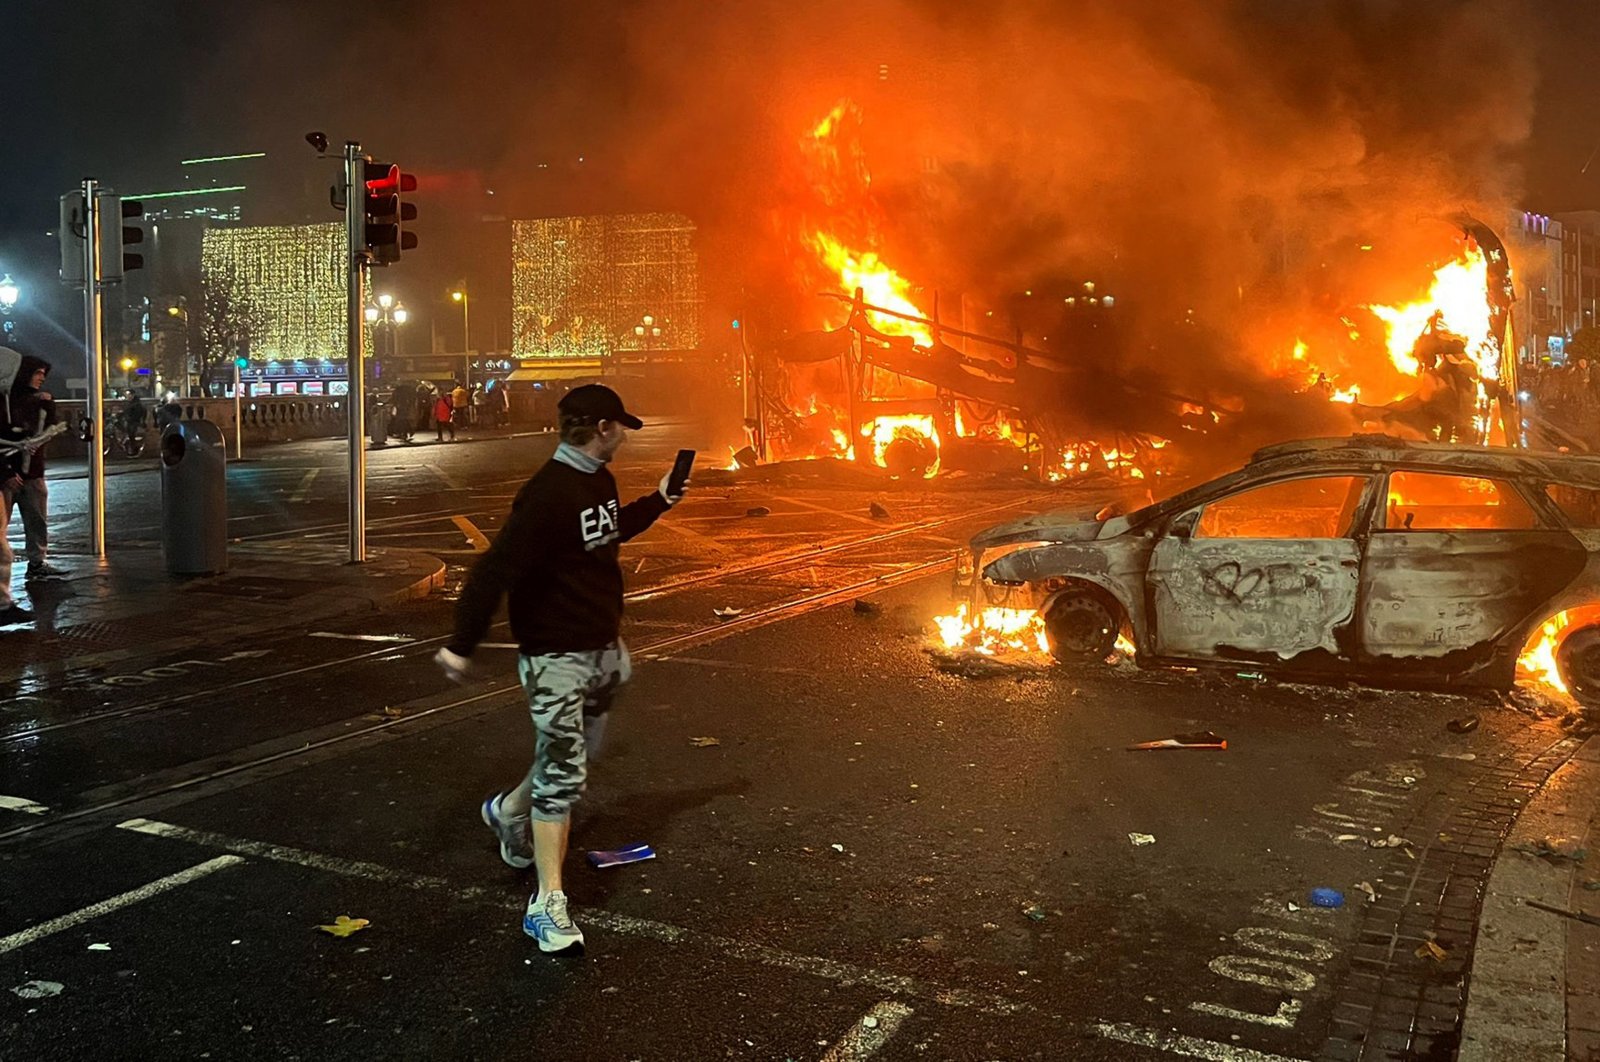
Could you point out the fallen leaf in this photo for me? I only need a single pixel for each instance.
(344, 925)
(99, 947)
(837, 847)
(727, 613)
(703, 742)
(1429, 950)
(1366, 887)
(38, 989)
(392, 712)
(1139, 840)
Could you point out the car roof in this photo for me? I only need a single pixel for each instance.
(1459, 458)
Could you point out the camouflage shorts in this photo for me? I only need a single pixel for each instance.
(568, 697)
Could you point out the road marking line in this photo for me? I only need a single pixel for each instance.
(468, 528)
(1178, 1044)
(828, 969)
(695, 536)
(867, 1036)
(24, 805)
(143, 892)
(831, 512)
(450, 481)
(400, 638)
(303, 490)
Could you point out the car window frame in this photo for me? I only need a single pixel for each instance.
(1541, 514)
(1184, 524)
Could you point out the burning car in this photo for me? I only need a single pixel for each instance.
(1369, 558)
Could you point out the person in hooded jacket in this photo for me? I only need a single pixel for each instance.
(29, 422)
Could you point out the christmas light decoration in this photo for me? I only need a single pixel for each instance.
(288, 281)
(584, 285)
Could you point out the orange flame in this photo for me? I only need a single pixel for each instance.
(886, 429)
(1537, 665)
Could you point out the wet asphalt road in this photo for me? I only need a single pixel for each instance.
(875, 858)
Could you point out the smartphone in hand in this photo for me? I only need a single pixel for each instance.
(680, 473)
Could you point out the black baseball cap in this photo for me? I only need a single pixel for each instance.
(594, 403)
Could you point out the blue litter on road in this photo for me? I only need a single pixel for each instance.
(1327, 898)
(633, 853)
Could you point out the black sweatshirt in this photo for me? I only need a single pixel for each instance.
(557, 558)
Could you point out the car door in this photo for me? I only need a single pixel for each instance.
(1454, 563)
(1263, 574)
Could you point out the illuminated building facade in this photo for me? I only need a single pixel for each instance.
(585, 286)
(284, 287)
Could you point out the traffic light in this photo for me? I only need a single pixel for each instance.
(115, 236)
(385, 212)
(71, 235)
(241, 363)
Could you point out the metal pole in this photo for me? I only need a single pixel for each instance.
(355, 175)
(94, 349)
(466, 332)
(238, 417)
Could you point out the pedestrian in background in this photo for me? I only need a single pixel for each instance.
(556, 557)
(502, 405)
(444, 417)
(459, 404)
(30, 421)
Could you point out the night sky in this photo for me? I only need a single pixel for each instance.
(659, 100)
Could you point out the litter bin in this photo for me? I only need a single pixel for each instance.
(378, 421)
(194, 498)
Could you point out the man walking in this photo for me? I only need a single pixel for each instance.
(29, 422)
(557, 558)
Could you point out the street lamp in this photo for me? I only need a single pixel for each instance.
(127, 364)
(388, 313)
(460, 295)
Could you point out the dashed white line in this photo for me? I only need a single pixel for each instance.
(24, 805)
(1178, 1044)
(816, 966)
(302, 491)
(867, 1036)
(24, 937)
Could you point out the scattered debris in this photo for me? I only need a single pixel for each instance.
(99, 947)
(969, 663)
(1465, 725)
(1292, 906)
(727, 613)
(1389, 842)
(1034, 912)
(1253, 676)
(38, 989)
(1554, 850)
(1323, 896)
(344, 925)
(616, 857)
(1593, 884)
(1205, 739)
(837, 847)
(1139, 840)
(1366, 887)
(867, 608)
(758, 510)
(1429, 950)
(704, 742)
(1343, 837)
(878, 511)
(1587, 919)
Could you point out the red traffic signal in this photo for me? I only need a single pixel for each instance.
(386, 212)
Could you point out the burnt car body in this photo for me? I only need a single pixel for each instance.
(1368, 558)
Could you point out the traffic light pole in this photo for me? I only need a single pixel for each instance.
(238, 418)
(94, 350)
(355, 167)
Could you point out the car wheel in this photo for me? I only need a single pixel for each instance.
(1579, 661)
(1080, 627)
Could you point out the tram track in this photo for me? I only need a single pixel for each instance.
(326, 741)
(766, 565)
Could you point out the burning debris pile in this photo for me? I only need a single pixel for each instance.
(893, 382)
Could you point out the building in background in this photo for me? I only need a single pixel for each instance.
(1580, 268)
(1538, 321)
(592, 287)
(275, 294)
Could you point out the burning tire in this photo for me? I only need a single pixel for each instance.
(1081, 626)
(1579, 661)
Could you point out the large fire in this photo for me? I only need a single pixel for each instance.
(1537, 666)
(1457, 302)
(915, 432)
(1005, 631)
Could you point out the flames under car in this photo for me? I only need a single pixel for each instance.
(1368, 558)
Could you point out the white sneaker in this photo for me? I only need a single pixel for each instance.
(551, 926)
